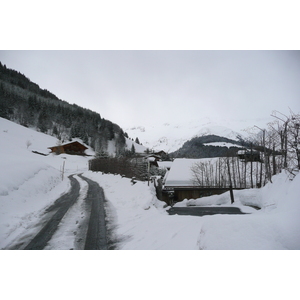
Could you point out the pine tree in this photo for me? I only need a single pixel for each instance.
(132, 150)
(55, 131)
(43, 121)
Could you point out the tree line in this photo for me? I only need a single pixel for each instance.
(196, 148)
(131, 166)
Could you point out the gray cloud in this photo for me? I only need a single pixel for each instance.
(145, 87)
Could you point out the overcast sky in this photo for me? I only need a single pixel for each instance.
(148, 87)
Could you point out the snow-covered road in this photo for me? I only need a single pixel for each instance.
(76, 220)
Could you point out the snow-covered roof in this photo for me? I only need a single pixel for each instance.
(164, 164)
(180, 173)
(80, 144)
(150, 158)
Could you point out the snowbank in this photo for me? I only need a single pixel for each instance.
(23, 206)
(249, 197)
(275, 226)
(281, 193)
(141, 221)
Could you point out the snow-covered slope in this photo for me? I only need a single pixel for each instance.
(218, 130)
(138, 148)
(170, 137)
(29, 182)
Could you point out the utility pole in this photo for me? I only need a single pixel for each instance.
(230, 182)
(265, 162)
(251, 166)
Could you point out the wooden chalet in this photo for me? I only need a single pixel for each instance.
(74, 148)
(160, 153)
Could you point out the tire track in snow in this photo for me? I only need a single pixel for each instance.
(71, 231)
(61, 206)
(96, 238)
(76, 220)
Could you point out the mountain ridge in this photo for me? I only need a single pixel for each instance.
(25, 103)
(171, 137)
(208, 146)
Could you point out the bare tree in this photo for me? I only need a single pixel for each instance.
(288, 130)
(277, 147)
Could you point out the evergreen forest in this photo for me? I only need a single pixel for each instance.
(24, 102)
(196, 148)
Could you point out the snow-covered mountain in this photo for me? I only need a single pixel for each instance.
(170, 137)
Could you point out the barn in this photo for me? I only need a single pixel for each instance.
(179, 183)
(74, 148)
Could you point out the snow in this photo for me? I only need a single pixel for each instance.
(138, 148)
(142, 221)
(222, 144)
(70, 224)
(31, 182)
(275, 226)
(218, 130)
(180, 173)
(144, 224)
(164, 164)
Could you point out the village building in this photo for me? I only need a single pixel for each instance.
(248, 155)
(160, 153)
(74, 148)
(165, 165)
(179, 182)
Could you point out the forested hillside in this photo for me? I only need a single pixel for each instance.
(24, 102)
(208, 146)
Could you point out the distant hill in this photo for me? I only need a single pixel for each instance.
(25, 103)
(208, 146)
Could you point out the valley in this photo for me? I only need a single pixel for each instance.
(38, 171)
